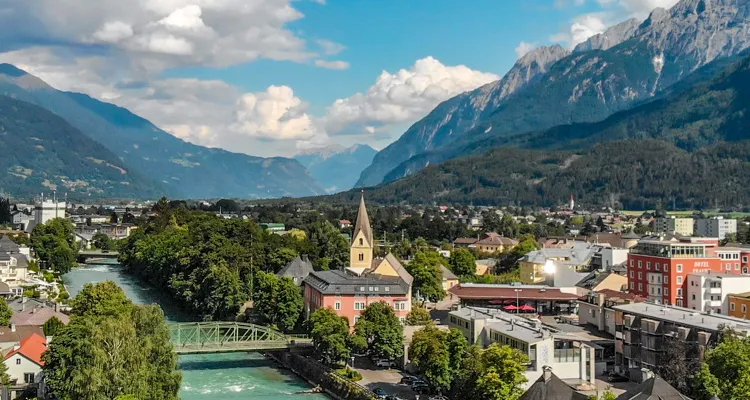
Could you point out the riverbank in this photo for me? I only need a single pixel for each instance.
(317, 374)
(232, 376)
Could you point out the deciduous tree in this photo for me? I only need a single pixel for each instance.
(277, 300)
(463, 263)
(330, 336)
(5, 313)
(382, 331)
(428, 278)
(429, 353)
(418, 316)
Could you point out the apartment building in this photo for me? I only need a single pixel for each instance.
(569, 356)
(709, 292)
(716, 227)
(739, 305)
(671, 224)
(596, 308)
(644, 330)
(657, 269)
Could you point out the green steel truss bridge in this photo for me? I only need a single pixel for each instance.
(227, 337)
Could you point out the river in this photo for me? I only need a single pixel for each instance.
(230, 376)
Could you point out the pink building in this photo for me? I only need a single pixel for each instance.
(366, 281)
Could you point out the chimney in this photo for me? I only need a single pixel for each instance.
(16, 346)
(12, 326)
(547, 373)
(305, 258)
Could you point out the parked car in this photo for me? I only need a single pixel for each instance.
(380, 393)
(384, 363)
(409, 380)
(420, 387)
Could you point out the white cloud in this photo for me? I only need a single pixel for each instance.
(332, 64)
(330, 48)
(524, 48)
(582, 28)
(113, 32)
(403, 96)
(641, 8)
(276, 114)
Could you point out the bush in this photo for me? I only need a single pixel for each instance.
(349, 373)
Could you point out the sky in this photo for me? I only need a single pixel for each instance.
(275, 77)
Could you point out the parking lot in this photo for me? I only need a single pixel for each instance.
(386, 379)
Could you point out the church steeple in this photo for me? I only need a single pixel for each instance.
(362, 238)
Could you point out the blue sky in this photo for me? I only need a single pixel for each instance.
(271, 77)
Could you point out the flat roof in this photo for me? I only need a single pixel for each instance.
(523, 292)
(684, 316)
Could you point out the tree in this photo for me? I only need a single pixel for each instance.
(112, 348)
(430, 357)
(607, 395)
(280, 258)
(330, 336)
(113, 218)
(678, 364)
(428, 277)
(463, 263)
(102, 241)
(52, 326)
(502, 375)
(5, 313)
(5, 217)
(418, 316)
(277, 300)
(381, 330)
(332, 249)
(726, 369)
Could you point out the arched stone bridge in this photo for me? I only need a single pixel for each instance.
(227, 337)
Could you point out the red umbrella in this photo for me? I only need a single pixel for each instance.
(527, 307)
(511, 307)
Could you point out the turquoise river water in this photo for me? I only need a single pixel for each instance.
(230, 376)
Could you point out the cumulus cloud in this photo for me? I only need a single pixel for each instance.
(330, 48)
(332, 64)
(276, 114)
(524, 48)
(641, 8)
(402, 96)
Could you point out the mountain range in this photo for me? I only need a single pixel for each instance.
(689, 148)
(176, 167)
(627, 65)
(337, 168)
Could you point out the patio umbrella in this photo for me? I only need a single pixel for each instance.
(527, 307)
(511, 307)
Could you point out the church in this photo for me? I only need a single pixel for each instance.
(367, 279)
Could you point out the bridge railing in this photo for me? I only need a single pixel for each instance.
(230, 336)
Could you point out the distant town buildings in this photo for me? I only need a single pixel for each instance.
(671, 224)
(717, 227)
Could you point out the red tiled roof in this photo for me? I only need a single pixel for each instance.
(489, 292)
(32, 348)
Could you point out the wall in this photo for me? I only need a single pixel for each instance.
(318, 374)
(738, 303)
(16, 371)
(612, 257)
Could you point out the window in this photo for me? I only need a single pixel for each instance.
(370, 288)
(640, 275)
(337, 306)
(28, 377)
(632, 285)
(18, 361)
(648, 265)
(666, 291)
(744, 308)
(361, 257)
(403, 320)
(679, 292)
(666, 267)
(729, 266)
(632, 263)
(356, 319)
(693, 297)
(640, 264)
(736, 267)
(361, 242)
(640, 287)
(679, 267)
(744, 259)
(361, 288)
(376, 288)
(679, 280)
(387, 289)
(359, 305)
(632, 274)
(656, 266)
(679, 303)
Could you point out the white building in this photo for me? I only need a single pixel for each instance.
(708, 292)
(716, 227)
(24, 361)
(613, 256)
(671, 224)
(45, 211)
(568, 355)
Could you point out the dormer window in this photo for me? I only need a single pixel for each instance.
(361, 242)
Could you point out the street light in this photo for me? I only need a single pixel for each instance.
(517, 302)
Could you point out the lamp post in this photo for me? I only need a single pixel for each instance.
(517, 302)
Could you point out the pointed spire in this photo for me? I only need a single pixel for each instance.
(363, 221)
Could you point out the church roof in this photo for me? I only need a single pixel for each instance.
(550, 387)
(297, 269)
(654, 388)
(363, 222)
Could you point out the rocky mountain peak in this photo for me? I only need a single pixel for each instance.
(613, 36)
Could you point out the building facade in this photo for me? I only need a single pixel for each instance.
(710, 292)
(739, 305)
(657, 269)
(716, 227)
(596, 308)
(643, 331)
(671, 224)
(570, 356)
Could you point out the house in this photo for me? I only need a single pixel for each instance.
(364, 282)
(345, 223)
(550, 387)
(485, 266)
(85, 239)
(597, 281)
(653, 387)
(13, 270)
(493, 242)
(558, 266)
(24, 360)
(449, 278)
(37, 316)
(297, 269)
(12, 335)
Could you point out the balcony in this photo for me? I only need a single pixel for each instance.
(713, 290)
(631, 351)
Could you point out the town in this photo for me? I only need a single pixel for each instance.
(370, 301)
